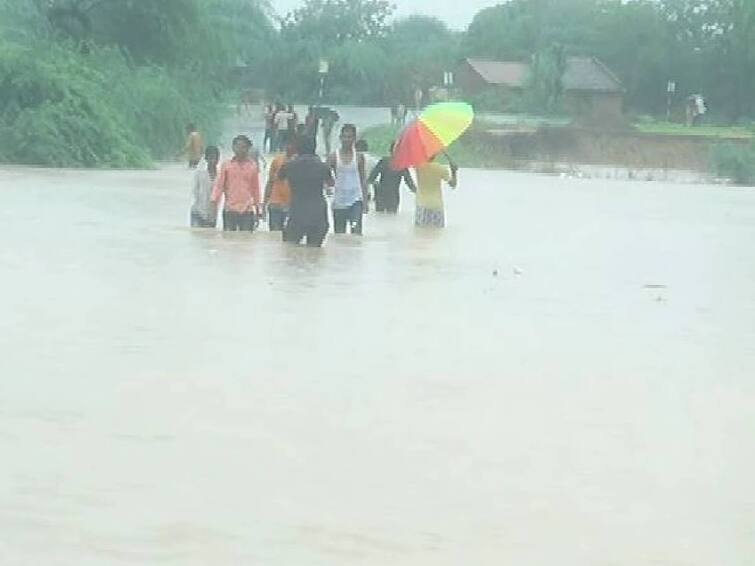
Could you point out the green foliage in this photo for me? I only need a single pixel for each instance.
(705, 46)
(113, 83)
(735, 162)
(55, 111)
(543, 90)
(333, 22)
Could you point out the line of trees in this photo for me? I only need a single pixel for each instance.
(112, 82)
(705, 46)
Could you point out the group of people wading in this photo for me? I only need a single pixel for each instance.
(300, 184)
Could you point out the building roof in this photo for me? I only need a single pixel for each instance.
(582, 73)
(505, 73)
(590, 74)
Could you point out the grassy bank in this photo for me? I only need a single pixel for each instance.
(674, 129)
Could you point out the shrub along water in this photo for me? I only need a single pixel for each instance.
(735, 162)
(63, 107)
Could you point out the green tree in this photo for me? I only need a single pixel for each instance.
(420, 49)
(544, 87)
(330, 22)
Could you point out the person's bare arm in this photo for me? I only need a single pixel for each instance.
(269, 186)
(453, 182)
(409, 181)
(329, 179)
(375, 172)
(363, 181)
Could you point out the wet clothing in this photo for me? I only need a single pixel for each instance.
(201, 192)
(198, 221)
(430, 177)
(351, 217)
(348, 189)
(429, 217)
(239, 181)
(281, 191)
(276, 217)
(239, 221)
(387, 189)
(307, 176)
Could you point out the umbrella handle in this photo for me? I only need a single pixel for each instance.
(451, 162)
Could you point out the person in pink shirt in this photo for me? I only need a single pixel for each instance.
(239, 181)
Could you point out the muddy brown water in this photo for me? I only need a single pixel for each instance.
(564, 376)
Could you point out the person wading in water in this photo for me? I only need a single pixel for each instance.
(307, 176)
(239, 182)
(351, 197)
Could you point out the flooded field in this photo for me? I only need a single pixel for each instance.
(564, 376)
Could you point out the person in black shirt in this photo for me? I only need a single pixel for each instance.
(307, 176)
(387, 188)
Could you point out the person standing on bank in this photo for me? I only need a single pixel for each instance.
(307, 176)
(277, 191)
(194, 146)
(350, 197)
(239, 181)
(204, 213)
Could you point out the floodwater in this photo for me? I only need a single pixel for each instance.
(564, 376)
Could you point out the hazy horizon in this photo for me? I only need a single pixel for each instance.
(457, 15)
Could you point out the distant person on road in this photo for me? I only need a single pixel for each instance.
(350, 197)
(312, 124)
(401, 115)
(307, 177)
(282, 122)
(267, 141)
(204, 213)
(239, 182)
(329, 121)
(293, 120)
(387, 184)
(430, 178)
(278, 191)
(194, 146)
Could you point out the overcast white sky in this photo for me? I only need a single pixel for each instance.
(456, 13)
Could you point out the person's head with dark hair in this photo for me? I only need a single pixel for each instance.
(305, 145)
(348, 136)
(212, 153)
(362, 146)
(241, 146)
(290, 108)
(212, 157)
(190, 128)
(292, 146)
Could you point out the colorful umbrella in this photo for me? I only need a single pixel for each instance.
(433, 131)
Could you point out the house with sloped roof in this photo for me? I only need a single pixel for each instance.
(592, 91)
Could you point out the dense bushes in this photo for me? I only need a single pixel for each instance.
(60, 107)
(735, 162)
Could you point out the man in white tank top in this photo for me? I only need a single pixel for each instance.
(350, 197)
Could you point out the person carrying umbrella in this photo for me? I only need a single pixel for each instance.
(430, 177)
(420, 144)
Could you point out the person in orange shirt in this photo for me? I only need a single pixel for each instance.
(277, 191)
(239, 181)
(194, 147)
